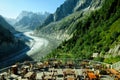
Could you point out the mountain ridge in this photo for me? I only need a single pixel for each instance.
(6, 25)
(28, 20)
(98, 32)
(62, 27)
(9, 44)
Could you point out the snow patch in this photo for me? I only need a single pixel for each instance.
(38, 44)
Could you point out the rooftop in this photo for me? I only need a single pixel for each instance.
(59, 70)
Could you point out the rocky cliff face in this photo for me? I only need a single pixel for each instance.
(28, 20)
(94, 30)
(65, 9)
(71, 6)
(61, 12)
(88, 4)
(58, 25)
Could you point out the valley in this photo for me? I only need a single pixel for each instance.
(77, 29)
(35, 44)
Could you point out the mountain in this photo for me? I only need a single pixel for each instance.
(59, 25)
(11, 21)
(96, 32)
(28, 20)
(6, 25)
(8, 43)
(61, 12)
(71, 6)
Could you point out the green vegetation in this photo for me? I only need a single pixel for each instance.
(5, 35)
(97, 32)
(112, 59)
(8, 44)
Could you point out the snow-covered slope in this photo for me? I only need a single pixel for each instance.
(27, 20)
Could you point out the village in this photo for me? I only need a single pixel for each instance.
(60, 69)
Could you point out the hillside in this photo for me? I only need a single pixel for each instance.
(97, 32)
(6, 25)
(8, 43)
(60, 27)
(5, 35)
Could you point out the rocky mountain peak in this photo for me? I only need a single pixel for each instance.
(65, 9)
(71, 6)
(28, 20)
(88, 4)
